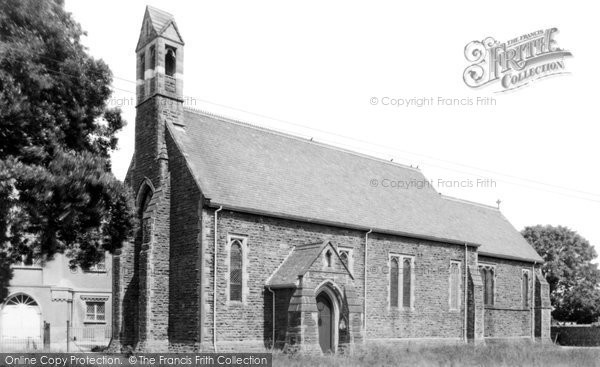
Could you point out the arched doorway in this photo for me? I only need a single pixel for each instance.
(326, 323)
(21, 319)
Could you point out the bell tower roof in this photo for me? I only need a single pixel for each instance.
(158, 23)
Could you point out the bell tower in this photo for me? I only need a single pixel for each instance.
(159, 93)
(141, 314)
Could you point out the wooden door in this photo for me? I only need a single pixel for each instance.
(325, 323)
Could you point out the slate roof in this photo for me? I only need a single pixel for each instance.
(159, 21)
(159, 18)
(298, 263)
(252, 169)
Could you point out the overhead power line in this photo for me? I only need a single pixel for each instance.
(595, 196)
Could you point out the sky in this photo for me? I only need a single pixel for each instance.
(332, 70)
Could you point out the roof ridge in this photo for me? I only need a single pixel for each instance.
(295, 137)
(309, 245)
(469, 202)
(301, 248)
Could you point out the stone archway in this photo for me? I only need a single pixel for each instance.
(327, 285)
(329, 313)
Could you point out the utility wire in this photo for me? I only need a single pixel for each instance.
(351, 147)
(393, 149)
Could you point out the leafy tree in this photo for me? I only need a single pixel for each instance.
(572, 276)
(57, 193)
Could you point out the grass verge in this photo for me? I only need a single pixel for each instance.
(524, 354)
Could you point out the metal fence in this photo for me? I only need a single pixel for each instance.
(86, 338)
(63, 339)
(21, 344)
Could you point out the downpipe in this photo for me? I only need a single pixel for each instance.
(533, 301)
(466, 288)
(215, 283)
(272, 318)
(365, 283)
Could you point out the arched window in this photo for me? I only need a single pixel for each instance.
(147, 196)
(455, 285)
(525, 289)
(235, 270)
(406, 282)
(170, 58)
(145, 201)
(21, 299)
(142, 68)
(487, 278)
(490, 286)
(328, 258)
(21, 319)
(344, 257)
(394, 281)
(152, 57)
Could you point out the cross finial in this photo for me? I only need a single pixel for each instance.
(498, 202)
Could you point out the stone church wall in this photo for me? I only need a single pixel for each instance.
(508, 317)
(185, 252)
(270, 240)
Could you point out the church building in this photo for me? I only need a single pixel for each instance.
(251, 238)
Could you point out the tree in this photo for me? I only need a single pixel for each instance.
(569, 270)
(57, 192)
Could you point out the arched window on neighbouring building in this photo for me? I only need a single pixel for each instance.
(235, 270)
(21, 319)
(170, 61)
(394, 281)
(406, 282)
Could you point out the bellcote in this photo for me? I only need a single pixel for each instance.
(159, 54)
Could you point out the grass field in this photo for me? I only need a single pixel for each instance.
(525, 354)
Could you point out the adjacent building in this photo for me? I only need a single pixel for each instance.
(49, 304)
